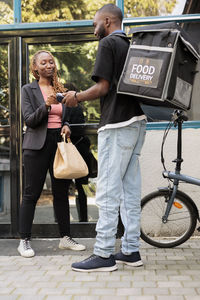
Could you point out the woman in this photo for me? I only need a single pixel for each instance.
(46, 121)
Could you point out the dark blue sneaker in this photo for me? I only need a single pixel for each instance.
(95, 263)
(133, 259)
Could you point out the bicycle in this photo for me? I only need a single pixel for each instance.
(168, 215)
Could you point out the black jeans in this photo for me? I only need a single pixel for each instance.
(81, 203)
(36, 165)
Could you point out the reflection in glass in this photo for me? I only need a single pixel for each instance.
(4, 178)
(4, 97)
(82, 192)
(75, 63)
(60, 10)
(134, 8)
(6, 12)
(4, 138)
(44, 209)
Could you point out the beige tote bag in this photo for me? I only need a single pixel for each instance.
(68, 162)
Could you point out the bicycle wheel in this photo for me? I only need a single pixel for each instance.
(181, 221)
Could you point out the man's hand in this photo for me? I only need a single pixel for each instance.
(96, 91)
(70, 99)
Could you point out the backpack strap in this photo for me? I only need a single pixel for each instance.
(125, 37)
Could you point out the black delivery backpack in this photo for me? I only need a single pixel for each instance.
(160, 66)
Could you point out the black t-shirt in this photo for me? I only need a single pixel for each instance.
(110, 59)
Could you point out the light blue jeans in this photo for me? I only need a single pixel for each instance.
(119, 187)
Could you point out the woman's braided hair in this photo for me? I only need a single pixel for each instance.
(57, 86)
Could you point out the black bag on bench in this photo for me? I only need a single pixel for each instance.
(160, 66)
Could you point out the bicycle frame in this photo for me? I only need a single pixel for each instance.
(179, 118)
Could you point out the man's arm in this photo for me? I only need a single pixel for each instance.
(101, 88)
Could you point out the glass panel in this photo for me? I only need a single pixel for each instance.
(75, 63)
(6, 12)
(60, 10)
(81, 210)
(81, 198)
(4, 137)
(135, 8)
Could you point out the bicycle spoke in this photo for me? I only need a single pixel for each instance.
(178, 226)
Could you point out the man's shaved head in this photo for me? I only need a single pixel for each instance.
(106, 20)
(112, 10)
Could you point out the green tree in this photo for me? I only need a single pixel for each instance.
(145, 8)
(6, 12)
(77, 65)
(62, 10)
(4, 98)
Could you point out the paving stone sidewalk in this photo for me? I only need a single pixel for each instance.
(167, 274)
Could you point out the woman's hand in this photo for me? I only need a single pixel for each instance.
(51, 99)
(66, 130)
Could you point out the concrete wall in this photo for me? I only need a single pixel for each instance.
(151, 166)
